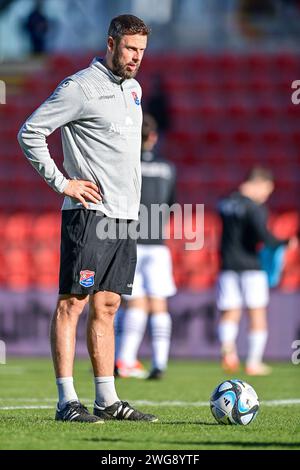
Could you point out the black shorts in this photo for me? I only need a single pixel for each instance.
(89, 264)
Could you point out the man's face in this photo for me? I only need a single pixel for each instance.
(262, 190)
(127, 55)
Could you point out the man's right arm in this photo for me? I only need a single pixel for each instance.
(65, 105)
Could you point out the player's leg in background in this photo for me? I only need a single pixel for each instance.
(63, 339)
(256, 293)
(257, 339)
(133, 331)
(161, 329)
(159, 286)
(134, 323)
(229, 303)
(228, 330)
(101, 344)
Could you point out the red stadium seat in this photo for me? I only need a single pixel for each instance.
(259, 64)
(204, 64)
(290, 281)
(16, 231)
(62, 63)
(16, 269)
(230, 64)
(285, 225)
(242, 137)
(200, 281)
(228, 112)
(286, 62)
(46, 229)
(238, 111)
(45, 267)
(267, 111)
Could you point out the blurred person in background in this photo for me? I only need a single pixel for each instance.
(37, 26)
(153, 281)
(254, 16)
(99, 112)
(158, 105)
(242, 281)
(258, 7)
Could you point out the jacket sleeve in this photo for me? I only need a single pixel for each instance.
(65, 105)
(258, 222)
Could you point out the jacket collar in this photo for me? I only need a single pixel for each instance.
(99, 64)
(147, 156)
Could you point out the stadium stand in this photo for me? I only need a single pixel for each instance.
(228, 113)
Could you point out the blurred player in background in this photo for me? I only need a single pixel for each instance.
(37, 26)
(153, 282)
(242, 282)
(99, 111)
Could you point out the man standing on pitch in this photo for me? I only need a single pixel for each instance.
(99, 112)
(242, 281)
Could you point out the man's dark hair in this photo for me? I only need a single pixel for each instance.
(127, 24)
(149, 126)
(260, 173)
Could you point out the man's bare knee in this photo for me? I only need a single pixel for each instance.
(71, 305)
(106, 305)
(110, 307)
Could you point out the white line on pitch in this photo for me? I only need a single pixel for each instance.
(292, 401)
(36, 407)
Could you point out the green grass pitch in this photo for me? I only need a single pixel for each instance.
(28, 395)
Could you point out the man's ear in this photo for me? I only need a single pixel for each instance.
(154, 137)
(110, 44)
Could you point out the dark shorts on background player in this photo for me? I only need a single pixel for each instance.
(89, 264)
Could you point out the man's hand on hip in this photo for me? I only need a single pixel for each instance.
(84, 191)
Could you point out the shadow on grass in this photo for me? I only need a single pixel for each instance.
(175, 423)
(222, 444)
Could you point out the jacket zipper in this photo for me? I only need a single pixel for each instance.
(124, 97)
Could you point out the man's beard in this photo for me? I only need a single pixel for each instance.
(119, 69)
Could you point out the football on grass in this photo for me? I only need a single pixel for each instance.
(234, 402)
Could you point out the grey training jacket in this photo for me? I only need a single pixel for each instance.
(100, 119)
